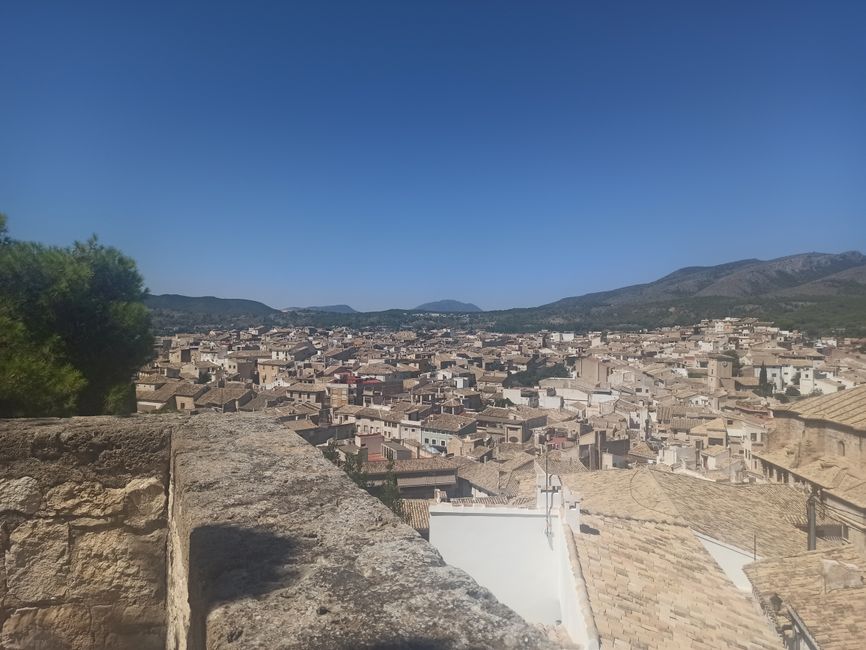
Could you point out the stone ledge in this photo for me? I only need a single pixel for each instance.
(274, 547)
(83, 533)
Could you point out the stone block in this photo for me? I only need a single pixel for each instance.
(20, 495)
(87, 499)
(144, 502)
(37, 562)
(128, 627)
(61, 627)
(139, 503)
(107, 565)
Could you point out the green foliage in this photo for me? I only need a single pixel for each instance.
(355, 470)
(764, 386)
(330, 452)
(389, 493)
(80, 307)
(33, 382)
(120, 400)
(534, 374)
(4, 233)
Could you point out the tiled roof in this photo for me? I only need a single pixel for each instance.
(847, 407)
(219, 396)
(447, 422)
(416, 513)
(502, 479)
(742, 515)
(832, 613)
(413, 465)
(837, 475)
(653, 585)
(748, 516)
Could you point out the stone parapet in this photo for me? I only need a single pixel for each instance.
(83, 525)
(215, 531)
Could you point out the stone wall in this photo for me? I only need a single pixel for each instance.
(281, 550)
(83, 533)
(215, 531)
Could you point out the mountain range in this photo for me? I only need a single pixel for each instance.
(329, 309)
(448, 306)
(813, 291)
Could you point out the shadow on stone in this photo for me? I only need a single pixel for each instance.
(228, 563)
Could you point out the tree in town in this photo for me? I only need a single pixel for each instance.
(764, 387)
(330, 452)
(354, 468)
(389, 493)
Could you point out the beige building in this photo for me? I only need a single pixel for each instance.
(820, 443)
(719, 368)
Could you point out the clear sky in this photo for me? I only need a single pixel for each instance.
(384, 154)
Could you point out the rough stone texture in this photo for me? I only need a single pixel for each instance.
(48, 627)
(141, 502)
(37, 562)
(114, 564)
(20, 495)
(281, 550)
(82, 532)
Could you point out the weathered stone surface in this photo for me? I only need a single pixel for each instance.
(128, 627)
(144, 502)
(4, 539)
(114, 564)
(20, 495)
(140, 503)
(61, 627)
(88, 499)
(108, 450)
(37, 562)
(79, 575)
(281, 550)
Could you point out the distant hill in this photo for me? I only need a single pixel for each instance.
(335, 309)
(808, 291)
(746, 278)
(448, 306)
(209, 305)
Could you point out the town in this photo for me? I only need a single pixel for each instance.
(710, 472)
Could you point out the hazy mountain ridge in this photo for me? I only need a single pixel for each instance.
(449, 306)
(812, 291)
(335, 309)
(209, 305)
(738, 279)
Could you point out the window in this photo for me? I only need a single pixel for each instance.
(840, 448)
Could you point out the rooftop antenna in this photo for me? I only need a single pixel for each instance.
(548, 490)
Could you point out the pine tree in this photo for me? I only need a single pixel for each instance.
(763, 384)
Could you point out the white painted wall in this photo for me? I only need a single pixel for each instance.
(506, 551)
(730, 559)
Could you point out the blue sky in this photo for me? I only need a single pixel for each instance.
(384, 154)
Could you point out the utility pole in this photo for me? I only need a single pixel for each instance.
(811, 503)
